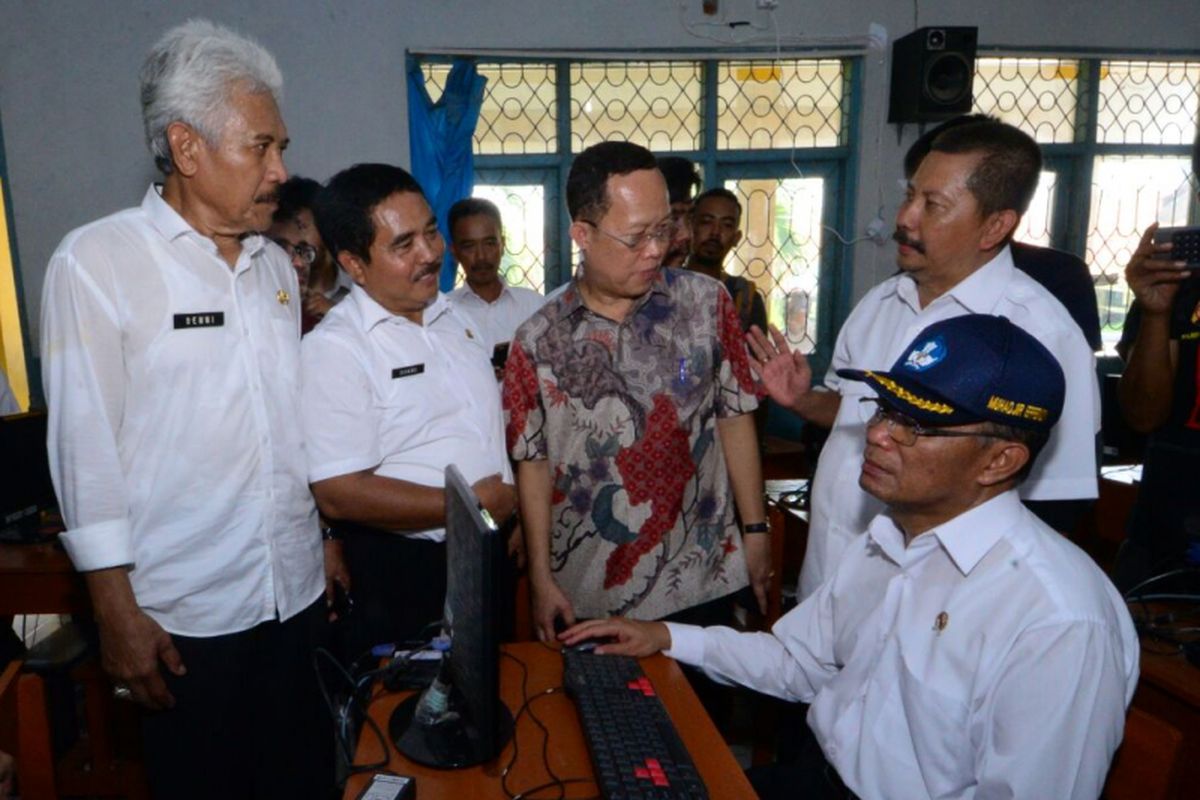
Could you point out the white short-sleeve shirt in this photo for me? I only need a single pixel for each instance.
(382, 393)
(884, 322)
(497, 321)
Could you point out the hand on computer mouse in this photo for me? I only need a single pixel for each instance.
(626, 637)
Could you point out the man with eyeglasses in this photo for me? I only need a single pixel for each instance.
(322, 284)
(961, 647)
(628, 401)
(953, 230)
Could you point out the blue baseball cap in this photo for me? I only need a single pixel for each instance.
(973, 368)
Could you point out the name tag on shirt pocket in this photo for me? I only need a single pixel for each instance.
(408, 372)
(200, 319)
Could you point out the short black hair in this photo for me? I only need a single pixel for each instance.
(920, 148)
(587, 182)
(724, 194)
(1007, 173)
(1034, 441)
(295, 195)
(682, 177)
(343, 208)
(473, 207)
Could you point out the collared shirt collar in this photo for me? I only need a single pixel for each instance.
(572, 299)
(966, 539)
(978, 293)
(168, 222)
(371, 313)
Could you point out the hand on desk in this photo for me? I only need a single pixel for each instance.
(549, 603)
(628, 637)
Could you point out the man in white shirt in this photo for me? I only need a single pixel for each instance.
(953, 229)
(396, 385)
(171, 343)
(485, 298)
(961, 647)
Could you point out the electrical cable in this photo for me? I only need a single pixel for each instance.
(527, 706)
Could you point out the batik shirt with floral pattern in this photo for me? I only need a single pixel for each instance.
(642, 517)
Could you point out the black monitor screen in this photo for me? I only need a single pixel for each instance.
(474, 725)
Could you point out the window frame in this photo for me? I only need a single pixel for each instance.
(1074, 162)
(838, 165)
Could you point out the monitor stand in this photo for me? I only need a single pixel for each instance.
(451, 744)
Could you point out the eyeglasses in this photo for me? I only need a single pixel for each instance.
(904, 430)
(304, 251)
(659, 233)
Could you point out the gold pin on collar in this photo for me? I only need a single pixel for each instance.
(283, 297)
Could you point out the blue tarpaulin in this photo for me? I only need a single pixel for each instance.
(440, 136)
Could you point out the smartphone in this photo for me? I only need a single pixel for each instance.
(500, 355)
(389, 787)
(1185, 244)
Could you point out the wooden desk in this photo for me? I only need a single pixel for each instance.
(1169, 688)
(39, 579)
(567, 751)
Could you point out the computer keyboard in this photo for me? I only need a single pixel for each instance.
(635, 749)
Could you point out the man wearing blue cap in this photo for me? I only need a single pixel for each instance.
(961, 648)
(953, 234)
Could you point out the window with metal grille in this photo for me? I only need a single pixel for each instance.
(776, 132)
(1116, 137)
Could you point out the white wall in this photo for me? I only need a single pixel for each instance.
(72, 132)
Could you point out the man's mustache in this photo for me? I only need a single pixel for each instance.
(904, 239)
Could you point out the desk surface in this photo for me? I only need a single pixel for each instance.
(566, 752)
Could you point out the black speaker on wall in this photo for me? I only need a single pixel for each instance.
(932, 72)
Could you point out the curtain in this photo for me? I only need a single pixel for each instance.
(441, 136)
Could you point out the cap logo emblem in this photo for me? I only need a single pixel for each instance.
(930, 354)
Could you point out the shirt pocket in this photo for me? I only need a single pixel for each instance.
(938, 724)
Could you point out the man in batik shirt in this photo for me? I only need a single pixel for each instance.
(628, 403)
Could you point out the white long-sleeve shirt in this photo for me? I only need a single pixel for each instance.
(174, 438)
(991, 658)
(876, 334)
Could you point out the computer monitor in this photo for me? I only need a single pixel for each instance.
(26, 489)
(460, 720)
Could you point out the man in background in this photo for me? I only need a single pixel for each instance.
(1065, 275)
(295, 230)
(682, 182)
(716, 223)
(486, 298)
(1160, 396)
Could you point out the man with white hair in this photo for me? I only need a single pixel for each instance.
(171, 337)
